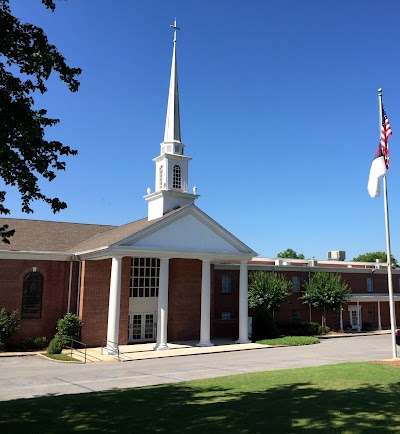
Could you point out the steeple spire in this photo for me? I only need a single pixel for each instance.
(172, 166)
(173, 124)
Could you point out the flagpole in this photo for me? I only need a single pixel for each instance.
(388, 252)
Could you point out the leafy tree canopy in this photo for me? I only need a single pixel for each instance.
(290, 253)
(27, 60)
(268, 290)
(373, 256)
(325, 291)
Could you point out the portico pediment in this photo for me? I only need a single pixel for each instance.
(188, 230)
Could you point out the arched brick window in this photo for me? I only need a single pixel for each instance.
(32, 295)
(176, 182)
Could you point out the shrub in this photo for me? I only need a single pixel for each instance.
(299, 329)
(8, 324)
(34, 344)
(69, 325)
(57, 344)
(264, 326)
(323, 330)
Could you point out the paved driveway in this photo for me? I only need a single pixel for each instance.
(27, 377)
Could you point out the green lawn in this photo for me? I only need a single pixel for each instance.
(291, 341)
(345, 398)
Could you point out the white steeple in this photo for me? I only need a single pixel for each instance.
(171, 177)
(173, 122)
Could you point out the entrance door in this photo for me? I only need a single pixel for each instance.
(354, 317)
(141, 327)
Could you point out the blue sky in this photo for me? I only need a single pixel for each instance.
(279, 112)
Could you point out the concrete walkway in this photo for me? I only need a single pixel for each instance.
(146, 351)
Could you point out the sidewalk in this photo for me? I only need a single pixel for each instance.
(146, 351)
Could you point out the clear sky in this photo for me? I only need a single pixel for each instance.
(279, 111)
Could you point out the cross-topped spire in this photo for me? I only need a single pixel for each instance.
(172, 123)
(175, 29)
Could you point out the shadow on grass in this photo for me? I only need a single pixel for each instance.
(203, 407)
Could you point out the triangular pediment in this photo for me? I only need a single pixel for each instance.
(188, 230)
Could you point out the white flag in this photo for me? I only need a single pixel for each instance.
(378, 169)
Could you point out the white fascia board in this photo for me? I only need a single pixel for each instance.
(147, 253)
(37, 255)
(371, 297)
(315, 269)
(176, 156)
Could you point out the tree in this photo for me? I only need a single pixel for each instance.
(373, 256)
(290, 253)
(268, 290)
(27, 61)
(325, 291)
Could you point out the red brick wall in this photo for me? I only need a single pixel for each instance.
(94, 297)
(184, 297)
(54, 299)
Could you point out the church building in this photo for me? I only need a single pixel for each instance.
(175, 275)
(149, 280)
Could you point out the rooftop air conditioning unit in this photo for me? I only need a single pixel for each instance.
(312, 263)
(336, 255)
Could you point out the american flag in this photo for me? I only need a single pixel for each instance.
(386, 132)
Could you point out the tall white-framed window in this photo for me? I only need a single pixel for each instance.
(226, 283)
(160, 177)
(176, 177)
(371, 314)
(295, 283)
(370, 284)
(226, 315)
(145, 274)
(296, 316)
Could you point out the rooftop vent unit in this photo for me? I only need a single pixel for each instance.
(336, 255)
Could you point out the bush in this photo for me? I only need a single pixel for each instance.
(57, 344)
(264, 326)
(302, 329)
(323, 330)
(8, 324)
(69, 325)
(32, 344)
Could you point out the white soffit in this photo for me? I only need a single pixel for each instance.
(188, 233)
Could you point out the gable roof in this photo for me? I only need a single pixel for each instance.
(90, 240)
(48, 236)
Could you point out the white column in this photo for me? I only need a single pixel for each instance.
(114, 305)
(243, 305)
(358, 317)
(341, 319)
(205, 305)
(162, 320)
(379, 316)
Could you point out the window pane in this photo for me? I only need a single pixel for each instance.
(32, 296)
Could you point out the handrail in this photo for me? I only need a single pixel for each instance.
(76, 349)
(105, 347)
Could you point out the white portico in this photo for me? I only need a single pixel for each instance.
(175, 229)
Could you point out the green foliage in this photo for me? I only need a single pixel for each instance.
(70, 326)
(264, 326)
(61, 357)
(268, 290)
(290, 253)
(373, 256)
(300, 329)
(8, 324)
(32, 344)
(291, 341)
(325, 291)
(57, 344)
(27, 61)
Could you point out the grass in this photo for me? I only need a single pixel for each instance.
(349, 398)
(291, 341)
(62, 357)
